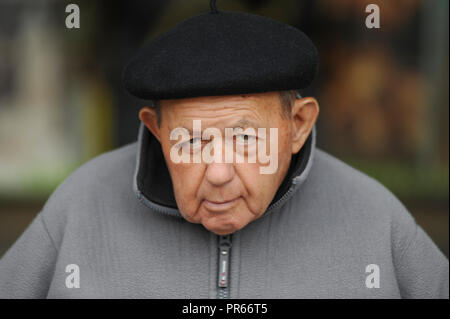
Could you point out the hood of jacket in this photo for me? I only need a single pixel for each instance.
(152, 183)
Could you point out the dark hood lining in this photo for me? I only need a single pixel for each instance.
(154, 181)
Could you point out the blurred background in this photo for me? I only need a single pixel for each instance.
(383, 92)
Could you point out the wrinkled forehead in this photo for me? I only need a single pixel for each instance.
(250, 110)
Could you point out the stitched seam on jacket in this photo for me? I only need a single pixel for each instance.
(47, 231)
(403, 252)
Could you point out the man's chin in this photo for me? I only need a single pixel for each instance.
(220, 223)
(221, 233)
(222, 227)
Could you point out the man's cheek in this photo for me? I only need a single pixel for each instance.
(189, 209)
(186, 196)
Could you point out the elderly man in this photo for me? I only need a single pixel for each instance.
(224, 195)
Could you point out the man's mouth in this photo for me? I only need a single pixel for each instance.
(219, 205)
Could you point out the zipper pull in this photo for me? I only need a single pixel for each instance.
(224, 260)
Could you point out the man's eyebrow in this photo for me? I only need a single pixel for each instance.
(244, 123)
(181, 127)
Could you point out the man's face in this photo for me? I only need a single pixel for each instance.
(225, 196)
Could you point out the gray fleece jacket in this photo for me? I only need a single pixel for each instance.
(112, 230)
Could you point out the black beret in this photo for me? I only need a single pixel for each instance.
(220, 53)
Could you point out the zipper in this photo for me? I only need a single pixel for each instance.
(223, 271)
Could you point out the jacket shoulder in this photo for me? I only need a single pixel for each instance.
(97, 172)
(342, 181)
(359, 198)
(105, 177)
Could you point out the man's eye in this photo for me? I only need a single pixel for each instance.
(195, 141)
(192, 143)
(245, 138)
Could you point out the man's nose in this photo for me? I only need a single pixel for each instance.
(219, 173)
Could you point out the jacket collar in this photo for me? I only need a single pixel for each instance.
(152, 183)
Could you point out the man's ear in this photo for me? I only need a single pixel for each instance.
(148, 116)
(304, 116)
